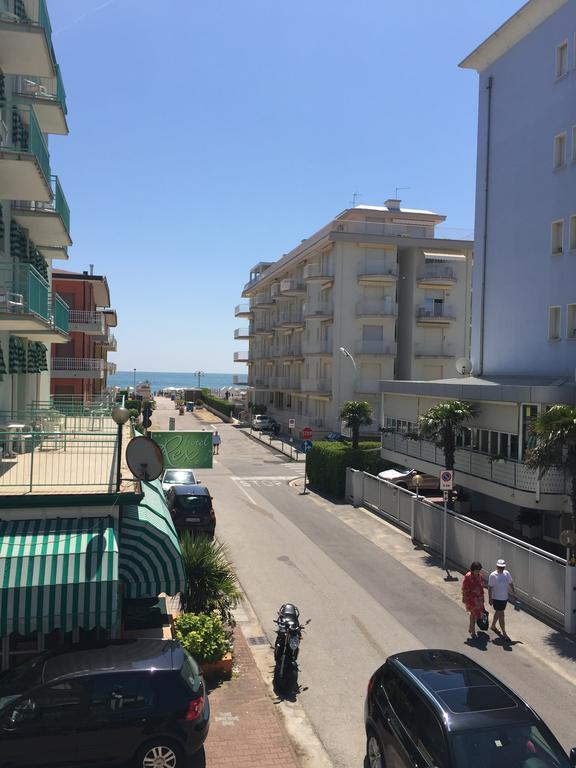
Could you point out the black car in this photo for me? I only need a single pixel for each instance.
(439, 708)
(191, 508)
(137, 702)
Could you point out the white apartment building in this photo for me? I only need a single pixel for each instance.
(523, 349)
(382, 283)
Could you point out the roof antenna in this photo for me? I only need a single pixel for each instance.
(398, 190)
(91, 268)
(355, 197)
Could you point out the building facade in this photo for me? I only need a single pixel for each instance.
(381, 283)
(523, 351)
(34, 214)
(80, 367)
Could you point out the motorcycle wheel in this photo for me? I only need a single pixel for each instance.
(288, 681)
(278, 648)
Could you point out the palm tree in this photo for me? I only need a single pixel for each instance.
(443, 423)
(211, 582)
(355, 414)
(555, 432)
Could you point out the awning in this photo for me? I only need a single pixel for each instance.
(150, 555)
(58, 574)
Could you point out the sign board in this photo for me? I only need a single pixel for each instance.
(307, 446)
(446, 480)
(445, 495)
(185, 449)
(172, 424)
(291, 423)
(307, 433)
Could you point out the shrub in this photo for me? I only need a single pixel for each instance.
(327, 464)
(222, 406)
(203, 635)
(134, 405)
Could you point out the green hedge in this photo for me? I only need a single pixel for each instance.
(327, 464)
(222, 406)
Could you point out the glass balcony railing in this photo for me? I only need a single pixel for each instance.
(23, 290)
(58, 204)
(25, 135)
(61, 313)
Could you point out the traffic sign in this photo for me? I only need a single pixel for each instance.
(291, 423)
(307, 433)
(446, 480)
(307, 446)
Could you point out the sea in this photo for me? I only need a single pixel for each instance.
(163, 379)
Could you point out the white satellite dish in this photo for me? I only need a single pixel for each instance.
(145, 459)
(567, 538)
(464, 366)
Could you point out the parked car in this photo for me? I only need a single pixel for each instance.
(439, 708)
(263, 422)
(335, 437)
(404, 478)
(129, 701)
(191, 508)
(172, 477)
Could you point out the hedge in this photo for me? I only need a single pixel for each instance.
(327, 464)
(223, 406)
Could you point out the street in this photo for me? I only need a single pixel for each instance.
(368, 594)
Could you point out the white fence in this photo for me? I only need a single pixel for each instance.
(539, 576)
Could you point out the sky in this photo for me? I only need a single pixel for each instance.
(206, 137)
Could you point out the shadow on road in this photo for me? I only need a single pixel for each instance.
(561, 645)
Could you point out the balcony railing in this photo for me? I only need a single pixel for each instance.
(60, 313)
(49, 88)
(508, 473)
(242, 333)
(110, 368)
(438, 312)
(34, 14)
(319, 347)
(387, 271)
(25, 136)
(292, 287)
(437, 272)
(290, 318)
(87, 321)
(317, 385)
(318, 309)
(434, 350)
(318, 272)
(23, 290)
(58, 205)
(388, 229)
(78, 364)
(374, 308)
(375, 348)
(242, 357)
(242, 310)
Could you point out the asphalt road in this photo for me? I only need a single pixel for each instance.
(364, 602)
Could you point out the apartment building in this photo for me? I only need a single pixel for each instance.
(382, 283)
(34, 214)
(80, 368)
(523, 350)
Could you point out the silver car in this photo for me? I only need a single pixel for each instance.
(177, 477)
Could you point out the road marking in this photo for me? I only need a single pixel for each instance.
(263, 481)
(227, 718)
(244, 491)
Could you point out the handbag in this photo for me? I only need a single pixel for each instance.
(482, 621)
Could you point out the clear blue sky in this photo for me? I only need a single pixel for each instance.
(208, 136)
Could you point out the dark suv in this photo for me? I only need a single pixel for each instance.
(191, 508)
(441, 709)
(135, 701)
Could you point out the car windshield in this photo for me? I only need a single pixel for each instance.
(16, 682)
(508, 746)
(179, 477)
(194, 502)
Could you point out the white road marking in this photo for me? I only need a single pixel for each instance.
(250, 499)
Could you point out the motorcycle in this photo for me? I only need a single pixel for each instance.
(287, 646)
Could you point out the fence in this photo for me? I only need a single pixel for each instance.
(539, 576)
(287, 448)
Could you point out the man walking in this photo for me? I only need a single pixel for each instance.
(216, 440)
(500, 584)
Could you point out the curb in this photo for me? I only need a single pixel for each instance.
(274, 448)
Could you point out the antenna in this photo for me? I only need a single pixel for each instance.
(397, 189)
(355, 197)
(464, 366)
(144, 458)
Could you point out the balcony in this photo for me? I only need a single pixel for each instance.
(292, 319)
(84, 321)
(434, 350)
(27, 308)
(48, 97)
(387, 229)
(318, 273)
(239, 380)
(26, 39)
(262, 329)
(373, 308)
(436, 276)
(292, 288)
(385, 274)
(78, 368)
(51, 253)
(108, 342)
(378, 348)
(435, 315)
(263, 301)
(258, 381)
(48, 224)
(318, 309)
(242, 357)
(24, 157)
(110, 368)
(243, 310)
(320, 348)
(243, 333)
(319, 386)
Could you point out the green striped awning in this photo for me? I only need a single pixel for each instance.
(58, 574)
(150, 555)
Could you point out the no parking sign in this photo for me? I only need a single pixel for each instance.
(446, 480)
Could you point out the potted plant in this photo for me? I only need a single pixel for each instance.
(530, 521)
(206, 638)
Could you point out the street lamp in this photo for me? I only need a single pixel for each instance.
(120, 416)
(348, 354)
(134, 382)
(199, 374)
(417, 480)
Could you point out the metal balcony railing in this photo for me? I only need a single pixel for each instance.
(319, 308)
(375, 348)
(433, 350)
(317, 271)
(242, 309)
(49, 88)
(58, 204)
(378, 270)
(435, 272)
(376, 308)
(60, 313)
(77, 364)
(23, 290)
(438, 311)
(24, 136)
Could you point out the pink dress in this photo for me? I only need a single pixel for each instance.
(473, 593)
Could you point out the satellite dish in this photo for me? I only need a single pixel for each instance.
(464, 366)
(145, 459)
(567, 538)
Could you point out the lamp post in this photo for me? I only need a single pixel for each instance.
(417, 480)
(120, 416)
(134, 382)
(199, 374)
(348, 354)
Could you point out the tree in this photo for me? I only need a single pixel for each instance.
(210, 578)
(443, 423)
(555, 432)
(355, 414)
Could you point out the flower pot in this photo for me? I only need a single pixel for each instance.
(220, 668)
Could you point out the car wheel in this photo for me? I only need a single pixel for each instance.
(374, 751)
(159, 754)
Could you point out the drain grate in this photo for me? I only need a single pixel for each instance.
(258, 640)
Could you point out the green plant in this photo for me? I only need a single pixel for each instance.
(442, 424)
(211, 582)
(203, 635)
(199, 403)
(134, 405)
(327, 464)
(222, 406)
(356, 413)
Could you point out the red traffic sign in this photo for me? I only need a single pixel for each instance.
(307, 433)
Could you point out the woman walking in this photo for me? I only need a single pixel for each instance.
(473, 595)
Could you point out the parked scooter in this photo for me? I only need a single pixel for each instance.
(287, 646)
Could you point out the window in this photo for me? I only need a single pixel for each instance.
(120, 693)
(557, 239)
(553, 323)
(561, 59)
(573, 233)
(571, 321)
(559, 151)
